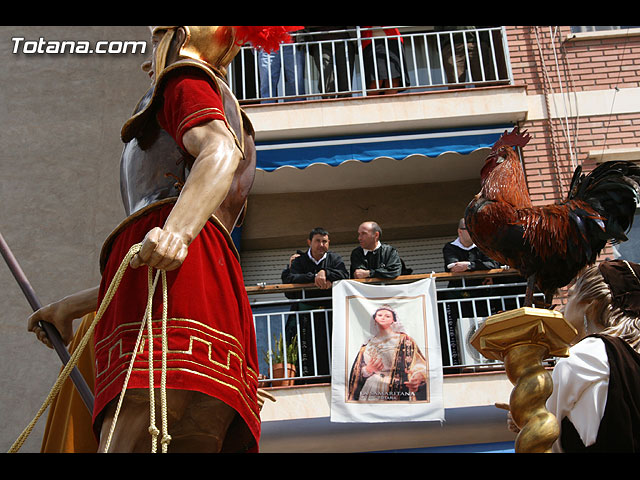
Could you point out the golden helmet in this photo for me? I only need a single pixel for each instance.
(209, 48)
(214, 45)
(218, 45)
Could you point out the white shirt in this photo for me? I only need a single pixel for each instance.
(317, 262)
(377, 247)
(458, 243)
(580, 386)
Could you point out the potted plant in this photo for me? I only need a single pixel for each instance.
(276, 358)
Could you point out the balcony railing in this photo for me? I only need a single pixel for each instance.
(302, 327)
(341, 63)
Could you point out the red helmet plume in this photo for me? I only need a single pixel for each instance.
(268, 38)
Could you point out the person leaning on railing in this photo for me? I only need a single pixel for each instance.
(461, 255)
(475, 56)
(319, 266)
(288, 63)
(374, 259)
(455, 55)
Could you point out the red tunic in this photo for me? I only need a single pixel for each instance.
(211, 336)
(189, 100)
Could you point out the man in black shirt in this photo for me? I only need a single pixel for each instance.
(461, 255)
(322, 267)
(317, 265)
(373, 258)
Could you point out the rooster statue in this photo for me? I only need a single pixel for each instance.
(550, 244)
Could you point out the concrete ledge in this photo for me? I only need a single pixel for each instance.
(299, 422)
(401, 112)
(459, 391)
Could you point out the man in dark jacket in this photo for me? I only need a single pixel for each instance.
(319, 266)
(373, 258)
(462, 255)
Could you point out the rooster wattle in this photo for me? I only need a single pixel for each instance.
(549, 244)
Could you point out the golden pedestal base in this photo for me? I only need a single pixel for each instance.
(522, 339)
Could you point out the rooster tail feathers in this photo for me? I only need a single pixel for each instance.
(575, 215)
(612, 189)
(576, 182)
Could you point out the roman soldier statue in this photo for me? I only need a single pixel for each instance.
(186, 171)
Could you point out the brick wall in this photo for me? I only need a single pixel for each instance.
(586, 64)
(547, 63)
(547, 158)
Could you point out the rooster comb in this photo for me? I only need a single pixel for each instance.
(512, 139)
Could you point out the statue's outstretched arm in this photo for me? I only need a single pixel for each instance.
(62, 313)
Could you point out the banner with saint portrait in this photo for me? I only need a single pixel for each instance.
(386, 361)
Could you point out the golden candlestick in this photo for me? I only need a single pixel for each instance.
(522, 339)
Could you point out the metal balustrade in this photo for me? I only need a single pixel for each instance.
(314, 67)
(461, 310)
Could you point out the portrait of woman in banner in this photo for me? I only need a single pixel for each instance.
(389, 366)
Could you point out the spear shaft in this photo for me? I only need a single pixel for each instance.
(53, 334)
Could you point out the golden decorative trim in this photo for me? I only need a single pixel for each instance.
(249, 405)
(198, 114)
(133, 126)
(196, 322)
(524, 325)
(215, 371)
(111, 343)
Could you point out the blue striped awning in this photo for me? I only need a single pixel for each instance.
(336, 150)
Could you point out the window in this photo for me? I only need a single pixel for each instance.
(598, 28)
(630, 250)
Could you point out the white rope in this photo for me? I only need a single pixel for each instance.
(153, 430)
(566, 130)
(148, 322)
(615, 91)
(151, 290)
(166, 438)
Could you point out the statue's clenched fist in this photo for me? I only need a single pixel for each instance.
(162, 250)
